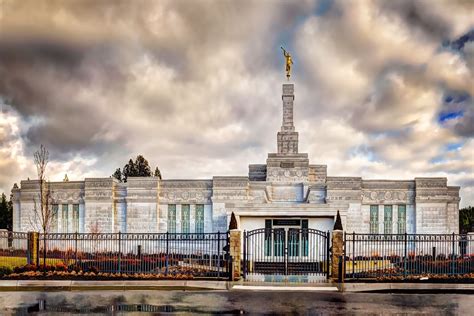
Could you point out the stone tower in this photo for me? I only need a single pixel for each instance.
(287, 137)
(287, 165)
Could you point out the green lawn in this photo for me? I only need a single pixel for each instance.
(21, 261)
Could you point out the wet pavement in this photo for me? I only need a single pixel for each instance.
(232, 303)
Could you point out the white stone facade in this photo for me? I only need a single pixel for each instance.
(286, 187)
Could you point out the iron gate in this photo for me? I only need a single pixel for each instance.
(286, 253)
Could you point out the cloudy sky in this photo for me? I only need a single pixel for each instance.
(384, 89)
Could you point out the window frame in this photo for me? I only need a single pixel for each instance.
(199, 220)
(171, 219)
(65, 217)
(388, 220)
(374, 220)
(185, 218)
(75, 217)
(402, 225)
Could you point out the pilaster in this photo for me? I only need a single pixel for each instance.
(235, 252)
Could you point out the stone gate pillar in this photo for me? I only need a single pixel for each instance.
(337, 253)
(235, 251)
(33, 248)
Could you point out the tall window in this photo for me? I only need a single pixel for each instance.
(185, 218)
(199, 219)
(387, 219)
(65, 217)
(54, 219)
(268, 238)
(304, 237)
(374, 219)
(402, 219)
(172, 218)
(75, 217)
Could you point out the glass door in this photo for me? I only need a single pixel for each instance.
(293, 242)
(278, 242)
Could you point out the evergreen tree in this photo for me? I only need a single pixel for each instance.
(157, 173)
(129, 170)
(466, 219)
(138, 168)
(117, 174)
(3, 211)
(10, 214)
(6, 213)
(142, 167)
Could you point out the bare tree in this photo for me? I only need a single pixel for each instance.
(42, 214)
(95, 230)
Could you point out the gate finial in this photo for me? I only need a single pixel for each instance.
(338, 223)
(233, 222)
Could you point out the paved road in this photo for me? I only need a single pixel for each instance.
(234, 302)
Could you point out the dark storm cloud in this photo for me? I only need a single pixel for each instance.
(42, 78)
(465, 125)
(197, 83)
(72, 71)
(418, 17)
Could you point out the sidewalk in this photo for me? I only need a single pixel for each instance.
(407, 287)
(68, 285)
(209, 285)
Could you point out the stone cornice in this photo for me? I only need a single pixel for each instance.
(185, 184)
(388, 184)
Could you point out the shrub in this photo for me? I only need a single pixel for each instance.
(60, 266)
(5, 271)
(74, 267)
(25, 268)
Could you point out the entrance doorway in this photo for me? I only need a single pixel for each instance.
(291, 233)
(286, 247)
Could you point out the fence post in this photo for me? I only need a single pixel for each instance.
(340, 278)
(235, 253)
(405, 254)
(218, 254)
(230, 268)
(120, 251)
(75, 248)
(453, 256)
(328, 234)
(337, 254)
(353, 253)
(245, 255)
(37, 249)
(167, 252)
(33, 248)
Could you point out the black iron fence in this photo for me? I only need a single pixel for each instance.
(167, 254)
(278, 254)
(13, 248)
(402, 256)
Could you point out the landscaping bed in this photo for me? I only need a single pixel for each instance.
(75, 272)
(425, 278)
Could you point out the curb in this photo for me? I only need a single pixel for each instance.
(407, 287)
(69, 285)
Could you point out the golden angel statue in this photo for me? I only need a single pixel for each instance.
(289, 62)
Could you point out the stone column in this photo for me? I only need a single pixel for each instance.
(82, 217)
(337, 252)
(235, 252)
(33, 248)
(70, 218)
(192, 218)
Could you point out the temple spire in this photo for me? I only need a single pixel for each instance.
(287, 138)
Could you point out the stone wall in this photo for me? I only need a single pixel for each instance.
(141, 205)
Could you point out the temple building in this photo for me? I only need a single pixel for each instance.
(285, 192)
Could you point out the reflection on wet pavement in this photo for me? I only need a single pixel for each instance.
(232, 302)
